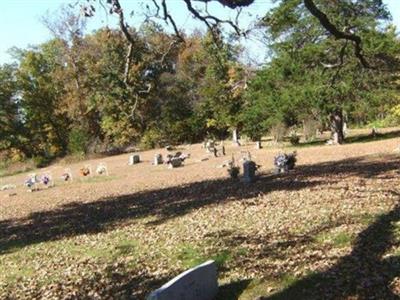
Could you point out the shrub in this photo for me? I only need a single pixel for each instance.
(41, 161)
(152, 138)
(294, 139)
(78, 141)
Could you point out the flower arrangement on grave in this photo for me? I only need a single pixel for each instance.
(233, 169)
(31, 181)
(66, 176)
(101, 169)
(285, 162)
(46, 179)
(85, 171)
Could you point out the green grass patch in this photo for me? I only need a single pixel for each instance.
(191, 256)
(287, 280)
(338, 240)
(127, 247)
(222, 258)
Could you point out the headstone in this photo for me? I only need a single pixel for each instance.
(249, 171)
(335, 138)
(235, 137)
(134, 159)
(258, 145)
(175, 162)
(158, 160)
(210, 146)
(199, 283)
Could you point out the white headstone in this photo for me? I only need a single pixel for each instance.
(199, 283)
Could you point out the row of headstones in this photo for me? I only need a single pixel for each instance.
(173, 161)
(283, 163)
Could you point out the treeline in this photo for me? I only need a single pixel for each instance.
(92, 93)
(68, 96)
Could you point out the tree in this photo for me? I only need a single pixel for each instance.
(313, 73)
(10, 121)
(40, 91)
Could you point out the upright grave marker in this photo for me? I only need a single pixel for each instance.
(158, 160)
(249, 171)
(199, 283)
(134, 159)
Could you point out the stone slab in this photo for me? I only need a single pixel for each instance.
(198, 283)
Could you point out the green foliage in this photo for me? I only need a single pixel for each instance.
(296, 85)
(41, 161)
(78, 141)
(294, 139)
(151, 139)
(72, 91)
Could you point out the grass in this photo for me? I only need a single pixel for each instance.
(338, 240)
(265, 238)
(191, 256)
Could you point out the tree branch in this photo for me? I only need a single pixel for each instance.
(332, 29)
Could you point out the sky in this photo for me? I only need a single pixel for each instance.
(21, 25)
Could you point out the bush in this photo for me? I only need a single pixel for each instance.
(41, 161)
(152, 138)
(78, 141)
(294, 139)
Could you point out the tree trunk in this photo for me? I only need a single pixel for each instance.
(336, 119)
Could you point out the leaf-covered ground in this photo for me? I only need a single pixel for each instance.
(328, 230)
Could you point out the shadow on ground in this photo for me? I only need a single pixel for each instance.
(84, 218)
(363, 274)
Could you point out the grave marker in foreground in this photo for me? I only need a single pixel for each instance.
(198, 283)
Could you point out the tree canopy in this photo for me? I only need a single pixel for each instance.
(330, 63)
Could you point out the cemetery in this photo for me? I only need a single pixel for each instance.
(267, 233)
(200, 150)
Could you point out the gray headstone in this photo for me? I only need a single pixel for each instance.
(158, 160)
(175, 162)
(199, 283)
(134, 159)
(249, 171)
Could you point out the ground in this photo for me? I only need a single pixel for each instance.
(330, 229)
